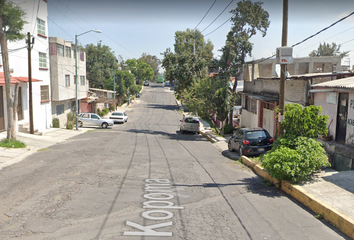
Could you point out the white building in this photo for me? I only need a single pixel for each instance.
(36, 18)
(63, 84)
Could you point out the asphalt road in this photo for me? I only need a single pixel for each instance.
(146, 180)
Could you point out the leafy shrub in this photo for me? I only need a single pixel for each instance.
(228, 129)
(294, 159)
(134, 89)
(56, 123)
(304, 121)
(71, 120)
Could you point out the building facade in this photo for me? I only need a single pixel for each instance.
(36, 18)
(63, 82)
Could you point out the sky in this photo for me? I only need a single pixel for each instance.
(133, 27)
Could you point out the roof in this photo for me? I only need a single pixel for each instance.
(340, 83)
(15, 80)
(263, 98)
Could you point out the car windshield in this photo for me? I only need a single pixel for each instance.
(191, 120)
(255, 135)
(117, 113)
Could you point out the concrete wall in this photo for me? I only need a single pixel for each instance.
(295, 90)
(299, 66)
(248, 119)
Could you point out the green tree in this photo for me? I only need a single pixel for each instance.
(100, 63)
(141, 70)
(327, 49)
(11, 25)
(192, 55)
(153, 61)
(124, 80)
(248, 19)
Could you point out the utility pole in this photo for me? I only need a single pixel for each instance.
(190, 41)
(29, 48)
(284, 42)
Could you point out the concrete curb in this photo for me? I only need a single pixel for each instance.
(208, 137)
(339, 220)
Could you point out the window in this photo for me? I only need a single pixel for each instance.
(60, 109)
(60, 50)
(67, 52)
(41, 27)
(67, 80)
(82, 54)
(42, 60)
(251, 105)
(82, 80)
(45, 93)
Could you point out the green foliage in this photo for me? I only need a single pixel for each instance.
(229, 128)
(12, 17)
(56, 123)
(141, 70)
(134, 89)
(70, 120)
(11, 143)
(153, 61)
(100, 64)
(304, 121)
(184, 65)
(326, 49)
(294, 159)
(102, 112)
(248, 18)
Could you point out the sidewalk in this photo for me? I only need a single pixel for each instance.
(9, 156)
(329, 195)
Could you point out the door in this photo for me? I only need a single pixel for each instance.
(2, 120)
(342, 115)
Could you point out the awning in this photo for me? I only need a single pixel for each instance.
(15, 80)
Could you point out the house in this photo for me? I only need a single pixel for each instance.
(337, 101)
(260, 95)
(18, 58)
(268, 68)
(99, 99)
(63, 82)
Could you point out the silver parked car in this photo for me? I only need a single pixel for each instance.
(93, 119)
(119, 117)
(189, 124)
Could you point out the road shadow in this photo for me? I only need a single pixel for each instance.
(173, 136)
(254, 185)
(171, 107)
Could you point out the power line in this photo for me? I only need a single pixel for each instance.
(218, 27)
(323, 29)
(205, 14)
(218, 16)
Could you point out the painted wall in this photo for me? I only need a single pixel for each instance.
(19, 64)
(328, 102)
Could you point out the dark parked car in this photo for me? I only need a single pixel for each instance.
(146, 83)
(251, 141)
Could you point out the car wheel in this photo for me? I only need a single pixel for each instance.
(104, 125)
(230, 147)
(80, 124)
(240, 151)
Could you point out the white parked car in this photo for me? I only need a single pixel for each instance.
(119, 117)
(93, 119)
(189, 124)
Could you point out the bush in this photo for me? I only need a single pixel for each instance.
(294, 159)
(71, 120)
(228, 129)
(56, 123)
